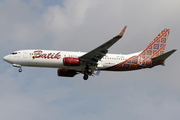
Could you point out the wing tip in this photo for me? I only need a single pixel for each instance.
(122, 32)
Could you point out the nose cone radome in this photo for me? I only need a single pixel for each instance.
(6, 58)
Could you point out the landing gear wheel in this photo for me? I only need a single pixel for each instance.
(85, 77)
(89, 71)
(20, 70)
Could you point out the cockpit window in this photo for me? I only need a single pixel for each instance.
(14, 53)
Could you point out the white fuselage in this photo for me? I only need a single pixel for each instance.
(54, 59)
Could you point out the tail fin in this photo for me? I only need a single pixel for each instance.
(157, 46)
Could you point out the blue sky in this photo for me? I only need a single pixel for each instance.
(82, 25)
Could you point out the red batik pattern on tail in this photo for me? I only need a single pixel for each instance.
(157, 46)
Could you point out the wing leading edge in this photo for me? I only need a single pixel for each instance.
(98, 53)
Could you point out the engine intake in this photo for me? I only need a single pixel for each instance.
(66, 73)
(70, 61)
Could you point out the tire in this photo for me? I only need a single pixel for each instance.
(20, 70)
(89, 71)
(85, 77)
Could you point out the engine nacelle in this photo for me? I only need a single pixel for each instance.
(66, 73)
(70, 61)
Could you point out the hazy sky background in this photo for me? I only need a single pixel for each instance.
(82, 25)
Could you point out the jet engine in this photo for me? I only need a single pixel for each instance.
(70, 61)
(66, 73)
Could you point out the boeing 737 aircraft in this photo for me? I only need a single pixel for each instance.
(71, 63)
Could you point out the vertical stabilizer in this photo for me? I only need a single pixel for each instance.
(157, 46)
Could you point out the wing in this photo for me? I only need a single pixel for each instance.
(98, 53)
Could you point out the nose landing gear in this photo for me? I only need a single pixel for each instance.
(20, 70)
(19, 66)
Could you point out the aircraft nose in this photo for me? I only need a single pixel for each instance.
(5, 58)
(8, 59)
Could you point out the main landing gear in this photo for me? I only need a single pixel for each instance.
(88, 71)
(85, 77)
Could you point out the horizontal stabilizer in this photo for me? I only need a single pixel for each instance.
(164, 56)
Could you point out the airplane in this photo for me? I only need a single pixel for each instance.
(91, 63)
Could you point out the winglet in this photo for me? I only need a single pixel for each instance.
(122, 32)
